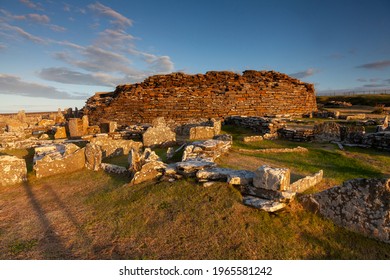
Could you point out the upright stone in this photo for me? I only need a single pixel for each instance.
(93, 157)
(75, 127)
(60, 132)
(85, 124)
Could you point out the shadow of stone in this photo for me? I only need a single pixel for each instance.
(68, 214)
(53, 247)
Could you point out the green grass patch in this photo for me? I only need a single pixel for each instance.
(20, 246)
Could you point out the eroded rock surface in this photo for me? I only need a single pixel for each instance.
(13, 170)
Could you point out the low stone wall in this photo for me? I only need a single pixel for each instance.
(380, 140)
(305, 183)
(297, 135)
(361, 205)
(257, 124)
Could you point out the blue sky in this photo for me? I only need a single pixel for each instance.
(55, 54)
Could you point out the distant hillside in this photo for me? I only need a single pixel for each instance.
(366, 99)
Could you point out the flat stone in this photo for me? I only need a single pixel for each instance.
(190, 167)
(112, 168)
(281, 196)
(213, 174)
(263, 204)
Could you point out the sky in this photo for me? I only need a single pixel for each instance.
(56, 54)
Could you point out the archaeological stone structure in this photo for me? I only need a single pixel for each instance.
(182, 97)
(361, 205)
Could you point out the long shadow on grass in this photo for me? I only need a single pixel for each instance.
(52, 244)
(67, 212)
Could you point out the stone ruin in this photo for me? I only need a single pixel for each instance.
(360, 205)
(182, 97)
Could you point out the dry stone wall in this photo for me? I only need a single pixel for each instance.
(183, 97)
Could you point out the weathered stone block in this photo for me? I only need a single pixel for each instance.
(13, 170)
(150, 171)
(93, 157)
(202, 132)
(75, 127)
(58, 159)
(277, 179)
(112, 147)
(158, 134)
(60, 132)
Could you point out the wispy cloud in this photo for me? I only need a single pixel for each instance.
(67, 76)
(304, 74)
(117, 18)
(36, 18)
(24, 34)
(2, 46)
(113, 52)
(10, 84)
(378, 65)
(39, 18)
(32, 5)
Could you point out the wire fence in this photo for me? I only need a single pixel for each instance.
(351, 93)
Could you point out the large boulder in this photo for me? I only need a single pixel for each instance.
(360, 205)
(159, 133)
(13, 170)
(57, 159)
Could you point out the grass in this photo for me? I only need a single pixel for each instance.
(94, 215)
(103, 218)
(363, 99)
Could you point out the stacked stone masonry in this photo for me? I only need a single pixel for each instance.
(182, 97)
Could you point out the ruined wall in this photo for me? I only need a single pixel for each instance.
(182, 97)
